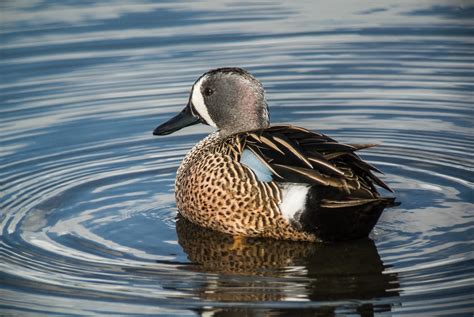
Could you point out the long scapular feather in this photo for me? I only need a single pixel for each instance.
(311, 176)
(293, 149)
(332, 146)
(268, 141)
(325, 165)
(362, 164)
(326, 203)
(379, 182)
(358, 146)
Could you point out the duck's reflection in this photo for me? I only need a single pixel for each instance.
(274, 271)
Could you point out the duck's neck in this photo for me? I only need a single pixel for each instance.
(252, 118)
(225, 132)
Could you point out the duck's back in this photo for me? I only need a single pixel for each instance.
(282, 182)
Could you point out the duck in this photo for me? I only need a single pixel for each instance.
(252, 179)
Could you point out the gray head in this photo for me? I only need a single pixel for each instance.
(230, 99)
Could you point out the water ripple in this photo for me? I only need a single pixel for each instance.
(88, 217)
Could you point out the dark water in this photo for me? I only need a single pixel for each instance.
(88, 217)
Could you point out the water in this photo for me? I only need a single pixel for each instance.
(88, 217)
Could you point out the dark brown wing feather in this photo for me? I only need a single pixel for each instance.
(295, 154)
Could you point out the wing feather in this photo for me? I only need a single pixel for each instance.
(292, 148)
(295, 154)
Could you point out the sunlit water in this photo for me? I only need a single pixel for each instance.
(88, 217)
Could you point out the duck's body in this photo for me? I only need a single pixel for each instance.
(215, 190)
(283, 182)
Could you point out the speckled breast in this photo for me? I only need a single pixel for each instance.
(215, 191)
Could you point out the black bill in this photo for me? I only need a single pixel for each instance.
(183, 119)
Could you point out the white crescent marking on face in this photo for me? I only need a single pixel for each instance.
(198, 101)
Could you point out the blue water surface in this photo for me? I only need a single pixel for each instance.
(88, 218)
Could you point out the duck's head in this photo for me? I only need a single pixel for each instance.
(229, 99)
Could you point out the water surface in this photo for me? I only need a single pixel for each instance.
(88, 218)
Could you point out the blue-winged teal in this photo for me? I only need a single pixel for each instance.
(253, 179)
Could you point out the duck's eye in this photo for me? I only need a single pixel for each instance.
(208, 91)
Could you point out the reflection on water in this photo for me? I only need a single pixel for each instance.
(87, 212)
(325, 272)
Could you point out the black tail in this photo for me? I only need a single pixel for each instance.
(342, 219)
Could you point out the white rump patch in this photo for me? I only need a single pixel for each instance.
(293, 199)
(198, 101)
(249, 159)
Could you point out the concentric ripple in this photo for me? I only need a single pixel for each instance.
(88, 218)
